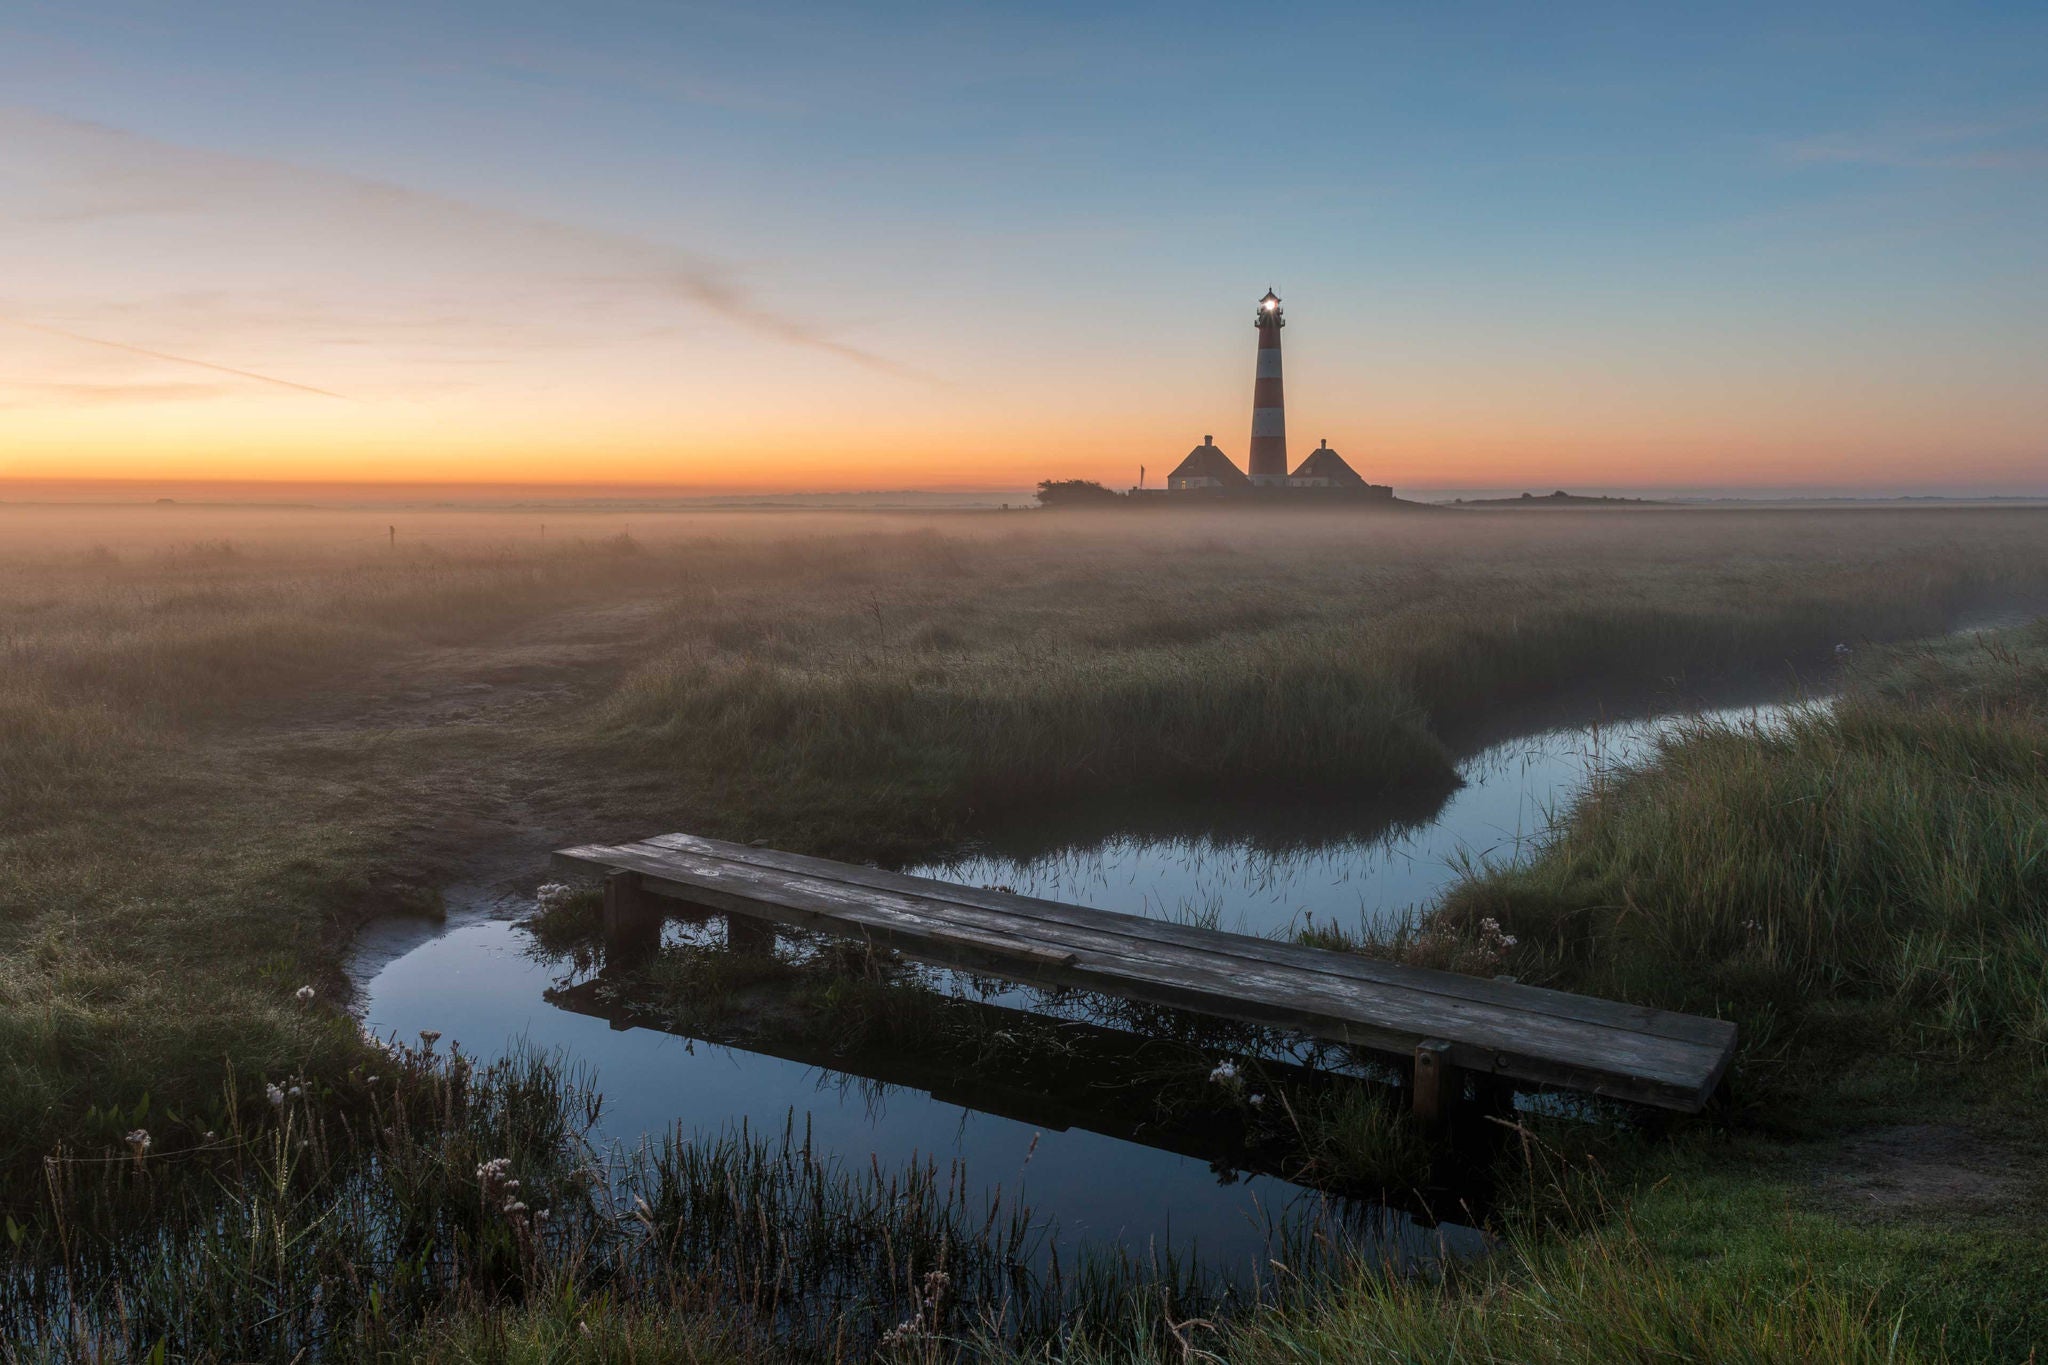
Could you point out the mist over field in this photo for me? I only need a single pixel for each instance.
(1023, 685)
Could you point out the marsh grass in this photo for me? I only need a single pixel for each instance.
(194, 814)
(1601, 1297)
(436, 1205)
(1864, 889)
(316, 1211)
(913, 692)
(1874, 875)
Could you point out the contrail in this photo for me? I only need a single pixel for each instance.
(177, 359)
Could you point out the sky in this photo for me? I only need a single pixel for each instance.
(793, 247)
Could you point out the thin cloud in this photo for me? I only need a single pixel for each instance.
(723, 298)
(73, 395)
(109, 173)
(1984, 145)
(174, 359)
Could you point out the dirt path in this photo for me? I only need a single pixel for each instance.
(533, 673)
(454, 757)
(1923, 1168)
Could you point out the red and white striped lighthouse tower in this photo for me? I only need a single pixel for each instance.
(1268, 465)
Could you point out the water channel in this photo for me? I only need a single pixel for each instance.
(481, 980)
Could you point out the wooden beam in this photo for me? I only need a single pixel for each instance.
(1488, 1028)
(1439, 1085)
(1058, 916)
(632, 917)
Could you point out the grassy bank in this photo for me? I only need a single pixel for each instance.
(1867, 880)
(217, 759)
(1865, 891)
(891, 706)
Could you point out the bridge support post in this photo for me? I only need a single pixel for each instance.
(1438, 1086)
(632, 918)
(748, 934)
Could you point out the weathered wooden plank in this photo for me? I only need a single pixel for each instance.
(1097, 950)
(823, 896)
(1534, 1048)
(1106, 935)
(1718, 1033)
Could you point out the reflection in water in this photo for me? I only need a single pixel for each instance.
(1371, 879)
(486, 985)
(922, 1029)
(483, 985)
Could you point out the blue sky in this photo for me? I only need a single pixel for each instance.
(1801, 246)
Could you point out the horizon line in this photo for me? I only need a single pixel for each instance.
(163, 486)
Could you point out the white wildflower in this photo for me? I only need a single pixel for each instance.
(305, 995)
(139, 1141)
(903, 1333)
(1225, 1073)
(1257, 1101)
(274, 1093)
(552, 894)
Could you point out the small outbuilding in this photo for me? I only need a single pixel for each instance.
(1325, 468)
(1206, 467)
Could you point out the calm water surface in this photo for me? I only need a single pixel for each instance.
(1511, 793)
(481, 983)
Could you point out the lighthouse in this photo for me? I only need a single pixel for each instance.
(1269, 408)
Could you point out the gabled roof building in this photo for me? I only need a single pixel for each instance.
(1325, 468)
(1325, 478)
(1206, 467)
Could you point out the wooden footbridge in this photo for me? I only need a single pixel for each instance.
(1498, 1033)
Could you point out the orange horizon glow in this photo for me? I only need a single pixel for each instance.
(1417, 455)
(259, 323)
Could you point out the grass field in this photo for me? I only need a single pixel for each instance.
(1866, 893)
(228, 738)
